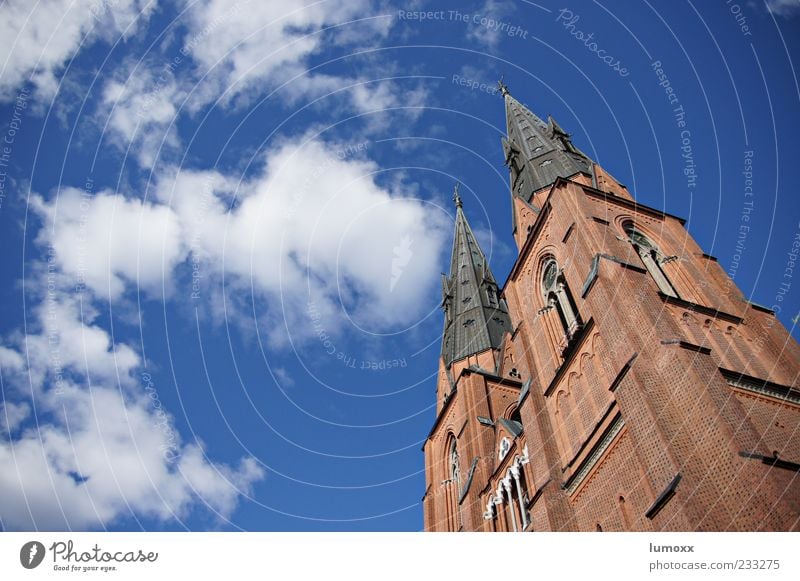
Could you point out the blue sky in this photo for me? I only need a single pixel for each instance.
(223, 225)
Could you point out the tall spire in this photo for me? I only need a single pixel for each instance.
(475, 316)
(537, 152)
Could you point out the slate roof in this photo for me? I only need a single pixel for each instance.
(537, 153)
(475, 317)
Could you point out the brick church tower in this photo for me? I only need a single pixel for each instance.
(618, 380)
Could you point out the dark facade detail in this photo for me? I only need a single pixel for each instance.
(617, 381)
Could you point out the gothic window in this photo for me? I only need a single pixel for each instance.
(519, 475)
(455, 468)
(558, 297)
(652, 258)
(516, 490)
(453, 483)
(507, 507)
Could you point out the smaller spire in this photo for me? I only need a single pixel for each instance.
(502, 86)
(457, 197)
(475, 320)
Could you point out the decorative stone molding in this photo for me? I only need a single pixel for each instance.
(572, 484)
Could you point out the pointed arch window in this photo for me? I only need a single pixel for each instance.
(455, 467)
(453, 484)
(624, 513)
(559, 298)
(507, 508)
(652, 258)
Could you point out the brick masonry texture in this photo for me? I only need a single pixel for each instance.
(662, 414)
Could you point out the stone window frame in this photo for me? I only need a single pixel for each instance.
(558, 297)
(651, 256)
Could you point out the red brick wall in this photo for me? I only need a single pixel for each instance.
(681, 417)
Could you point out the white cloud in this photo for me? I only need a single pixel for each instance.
(244, 49)
(12, 415)
(315, 219)
(99, 451)
(235, 51)
(10, 360)
(103, 239)
(248, 44)
(785, 8)
(70, 342)
(39, 37)
(94, 448)
(105, 460)
(142, 108)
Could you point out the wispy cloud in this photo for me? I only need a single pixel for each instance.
(268, 43)
(784, 8)
(96, 448)
(39, 37)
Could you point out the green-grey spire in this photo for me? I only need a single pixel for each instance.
(475, 316)
(536, 152)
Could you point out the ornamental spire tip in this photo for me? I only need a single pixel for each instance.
(502, 86)
(457, 197)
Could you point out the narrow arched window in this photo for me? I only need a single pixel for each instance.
(652, 258)
(453, 491)
(455, 468)
(558, 296)
(623, 509)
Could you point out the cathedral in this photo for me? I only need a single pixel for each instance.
(617, 381)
